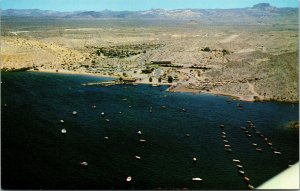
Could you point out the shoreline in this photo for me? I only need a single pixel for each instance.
(179, 89)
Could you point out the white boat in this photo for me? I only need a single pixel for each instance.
(246, 179)
(107, 120)
(139, 132)
(254, 144)
(102, 113)
(106, 138)
(137, 157)
(236, 161)
(94, 106)
(63, 131)
(223, 133)
(258, 149)
(239, 166)
(223, 136)
(62, 121)
(194, 159)
(277, 152)
(241, 172)
(225, 141)
(130, 106)
(142, 140)
(74, 112)
(227, 146)
(251, 187)
(84, 163)
(197, 179)
(129, 178)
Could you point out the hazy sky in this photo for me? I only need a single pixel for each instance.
(132, 5)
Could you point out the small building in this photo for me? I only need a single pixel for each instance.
(161, 62)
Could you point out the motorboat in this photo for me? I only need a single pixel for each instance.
(63, 131)
(197, 179)
(129, 178)
(83, 163)
(137, 157)
(241, 172)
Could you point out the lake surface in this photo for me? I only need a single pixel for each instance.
(35, 154)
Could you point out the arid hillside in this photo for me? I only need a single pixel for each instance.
(246, 60)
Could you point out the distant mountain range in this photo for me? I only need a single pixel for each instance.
(256, 14)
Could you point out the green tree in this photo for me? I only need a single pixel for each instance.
(170, 79)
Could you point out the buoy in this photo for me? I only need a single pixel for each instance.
(5, 105)
(197, 179)
(139, 132)
(137, 157)
(129, 178)
(74, 112)
(84, 163)
(63, 131)
(102, 113)
(61, 121)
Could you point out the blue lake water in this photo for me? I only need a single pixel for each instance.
(35, 155)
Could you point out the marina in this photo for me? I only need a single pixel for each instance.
(130, 151)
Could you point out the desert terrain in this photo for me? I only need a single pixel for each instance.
(251, 61)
